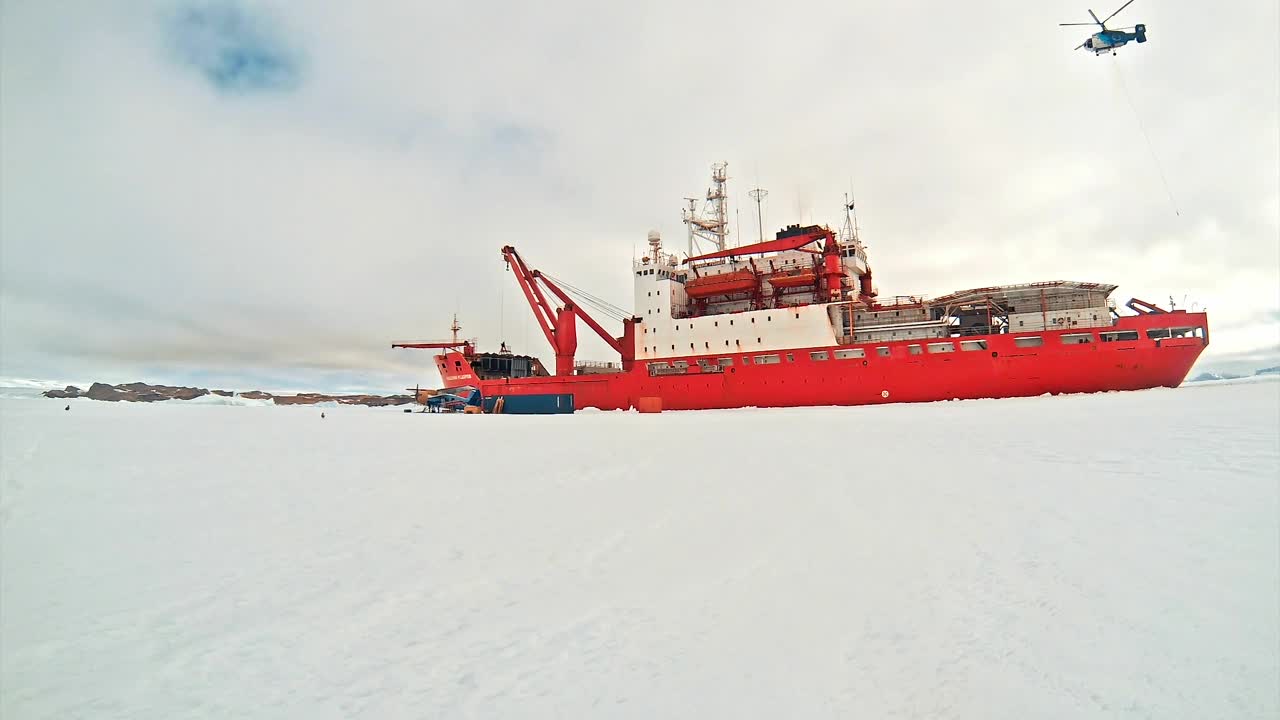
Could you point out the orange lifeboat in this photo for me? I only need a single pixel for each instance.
(723, 284)
(795, 279)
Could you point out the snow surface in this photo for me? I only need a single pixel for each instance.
(1111, 555)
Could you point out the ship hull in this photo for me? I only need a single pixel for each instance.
(990, 366)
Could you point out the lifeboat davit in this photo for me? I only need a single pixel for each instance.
(795, 279)
(728, 283)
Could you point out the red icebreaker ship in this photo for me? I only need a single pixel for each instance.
(796, 321)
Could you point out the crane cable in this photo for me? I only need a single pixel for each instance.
(1124, 88)
(600, 304)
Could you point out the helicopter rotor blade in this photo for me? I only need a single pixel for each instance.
(1118, 11)
(1096, 20)
(1069, 24)
(1078, 46)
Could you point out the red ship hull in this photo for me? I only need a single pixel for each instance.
(985, 366)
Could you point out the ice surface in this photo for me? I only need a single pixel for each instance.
(1111, 555)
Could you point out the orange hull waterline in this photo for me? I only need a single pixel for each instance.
(796, 321)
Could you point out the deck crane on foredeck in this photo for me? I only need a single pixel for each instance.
(559, 324)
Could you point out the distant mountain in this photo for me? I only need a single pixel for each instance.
(1207, 376)
(142, 392)
(1202, 377)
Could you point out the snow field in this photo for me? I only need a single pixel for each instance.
(1111, 555)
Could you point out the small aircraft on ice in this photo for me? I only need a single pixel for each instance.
(1110, 38)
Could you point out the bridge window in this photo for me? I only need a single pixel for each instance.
(1118, 336)
(850, 354)
(1177, 332)
(1077, 339)
(819, 355)
(1028, 341)
(973, 344)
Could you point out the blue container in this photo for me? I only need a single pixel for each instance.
(549, 404)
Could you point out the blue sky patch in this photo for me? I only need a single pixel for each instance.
(234, 48)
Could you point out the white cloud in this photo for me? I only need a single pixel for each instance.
(154, 219)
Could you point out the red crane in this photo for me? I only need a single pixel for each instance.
(559, 324)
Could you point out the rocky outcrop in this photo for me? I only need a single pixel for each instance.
(138, 392)
(103, 391)
(71, 391)
(369, 400)
(142, 392)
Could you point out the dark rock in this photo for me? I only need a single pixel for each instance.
(142, 392)
(102, 391)
(186, 393)
(367, 400)
(298, 399)
(71, 391)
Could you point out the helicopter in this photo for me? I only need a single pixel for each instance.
(1110, 38)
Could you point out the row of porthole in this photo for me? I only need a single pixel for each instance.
(716, 323)
(706, 345)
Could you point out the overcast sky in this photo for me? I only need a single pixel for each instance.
(236, 193)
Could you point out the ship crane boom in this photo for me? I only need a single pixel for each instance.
(559, 324)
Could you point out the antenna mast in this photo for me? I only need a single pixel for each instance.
(849, 231)
(849, 235)
(712, 223)
(759, 194)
